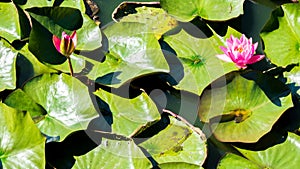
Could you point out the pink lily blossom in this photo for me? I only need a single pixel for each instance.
(67, 44)
(240, 51)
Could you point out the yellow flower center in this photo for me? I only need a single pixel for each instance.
(240, 49)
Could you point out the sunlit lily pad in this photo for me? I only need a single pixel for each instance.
(177, 145)
(66, 101)
(207, 9)
(129, 115)
(283, 155)
(21, 143)
(8, 57)
(133, 52)
(10, 26)
(247, 112)
(113, 154)
(282, 45)
(156, 18)
(46, 3)
(198, 57)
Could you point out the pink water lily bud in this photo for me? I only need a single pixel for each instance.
(67, 44)
(240, 51)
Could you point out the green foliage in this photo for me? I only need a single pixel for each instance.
(140, 81)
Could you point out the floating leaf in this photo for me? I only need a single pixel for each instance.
(10, 26)
(8, 57)
(129, 115)
(156, 18)
(247, 113)
(211, 10)
(177, 144)
(46, 3)
(133, 52)
(21, 101)
(282, 45)
(283, 155)
(66, 100)
(233, 161)
(113, 154)
(198, 57)
(53, 21)
(21, 143)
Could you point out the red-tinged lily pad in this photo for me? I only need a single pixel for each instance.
(207, 9)
(177, 145)
(21, 143)
(66, 101)
(129, 115)
(283, 155)
(240, 111)
(282, 45)
(198, 57)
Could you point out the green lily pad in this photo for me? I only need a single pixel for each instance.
(10, 26)
(177, 144)
(211, 10)
(46, 3)
(8, 57)
(236, 162)
(133, 52)
(129, 115)
(246, 110)
(113, 154)
(284, 155)
(21, 143)
(198, 57)
(282, 45)
(66, 100)
(21, 101)
(53, 21)
(156, 18)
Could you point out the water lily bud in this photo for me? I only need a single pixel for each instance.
(67, 44)
(240, 51)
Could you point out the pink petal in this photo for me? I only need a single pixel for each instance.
(56, 42)
(255, 58)
(224, 57)
(224, 49)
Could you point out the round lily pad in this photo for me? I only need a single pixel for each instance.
(245, 114)
(66, 101)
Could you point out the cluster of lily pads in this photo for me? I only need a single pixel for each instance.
(165, 84)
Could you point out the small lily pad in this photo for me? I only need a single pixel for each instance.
(177, 144)
(129, 115)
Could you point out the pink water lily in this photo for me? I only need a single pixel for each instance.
(67, 44)
(240, 51)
